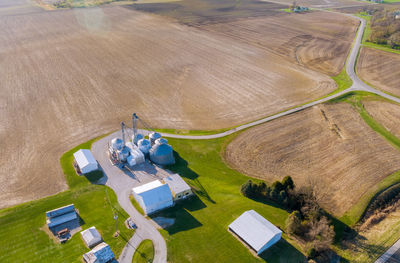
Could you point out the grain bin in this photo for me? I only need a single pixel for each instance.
(117, 144)
(153, 137)
(136, 138)
(144, 146)
(162, 154)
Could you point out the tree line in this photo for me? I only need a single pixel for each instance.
(308, 222)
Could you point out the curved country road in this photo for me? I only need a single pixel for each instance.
(122, 185)
(357, 85)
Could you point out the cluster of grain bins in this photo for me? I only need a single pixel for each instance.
(160, 194)
(136, 150)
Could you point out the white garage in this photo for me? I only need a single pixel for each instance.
(255, 231)
(153, 196)
(85, 161)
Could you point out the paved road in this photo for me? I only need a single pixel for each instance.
(392, 255)
(122, 183)
(357, 85)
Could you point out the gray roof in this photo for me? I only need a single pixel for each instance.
(176, 183)
(91, 236)
(254, 229)
(102, 253)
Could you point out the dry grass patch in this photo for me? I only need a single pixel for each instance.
(328, 147)
(380, 68)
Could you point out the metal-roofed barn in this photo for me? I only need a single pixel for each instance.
(256, 231)
(91, 237)
(153, 196)
(63, 217)
(85, 161)
(179, 188)
(102, 253)
(162, 154)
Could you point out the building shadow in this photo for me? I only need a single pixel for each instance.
(97, 177)
(183, 219)
(283, 252)
(181, 167)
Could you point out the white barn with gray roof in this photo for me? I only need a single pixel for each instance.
(255, 231)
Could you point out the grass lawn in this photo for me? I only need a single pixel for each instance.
(136, 205)
(144, 253)
(22, 239)
(200, 231)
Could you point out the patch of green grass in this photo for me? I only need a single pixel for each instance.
(201, 225)
(287, 10)
(136, 205)
(352, 216)
(343, 81)
(22, 239)
(144, 253)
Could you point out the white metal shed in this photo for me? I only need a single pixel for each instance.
(256, 231)
(153, 196)
(91, 237)
(85, 161)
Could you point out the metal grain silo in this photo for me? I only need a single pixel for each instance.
(136, 138)
(144, 145)
(153, 137)
(117, 144)
(162, 154)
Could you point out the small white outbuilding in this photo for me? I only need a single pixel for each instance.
(91, 237)
(255, 231)
(153, 196)
(179, 188)
(85, 161)
(102, 253)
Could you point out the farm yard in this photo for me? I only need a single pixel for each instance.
(377, 68)
(98, 65)
(328, 147)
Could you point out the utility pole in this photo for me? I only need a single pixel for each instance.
(116, 226)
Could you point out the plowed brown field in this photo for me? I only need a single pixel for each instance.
(328, 147)
(386, 113)
(70, 75)
(381, 69)
(318, 40)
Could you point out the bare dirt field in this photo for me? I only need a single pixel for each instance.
(317, 40)
(328, 146)
(323, 3)
(381, 69)
(70, 75)
(386, 113)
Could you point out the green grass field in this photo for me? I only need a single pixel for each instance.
(201, 223)
(144, 253)
(22, 239)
